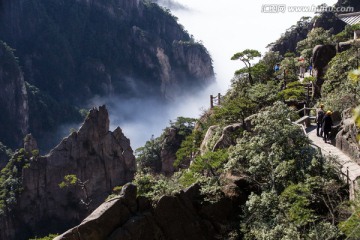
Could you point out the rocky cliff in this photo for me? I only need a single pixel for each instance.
(347, 137)
(71, 51)
(98, 158)
(174, 217)
(14, 111)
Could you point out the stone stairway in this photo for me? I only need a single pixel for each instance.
(350, 170)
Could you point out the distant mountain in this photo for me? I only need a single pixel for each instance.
(70, 51)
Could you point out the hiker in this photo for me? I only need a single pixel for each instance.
(302, 67)
(277, 67)
(310, 70)
(319, 118)
(302, 71)
(326, 125)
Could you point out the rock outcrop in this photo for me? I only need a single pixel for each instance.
(212, 133)
(322, 55)
(100, 160)
(14, 115)
(229, 135)
(346, 138)
(217, 138)
(170, 145)
(30, 143)
(174, 217)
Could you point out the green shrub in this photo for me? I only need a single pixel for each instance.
(69, 180)
(294, 91)
(309, 79)
(156, 186)
(295, 200)
(210, 163)
(10, 179)
(49, 237)
(115, 192)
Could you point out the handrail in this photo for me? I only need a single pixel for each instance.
(302, 127)
(336, 164)
(305, 108)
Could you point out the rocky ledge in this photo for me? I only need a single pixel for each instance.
(174, 217)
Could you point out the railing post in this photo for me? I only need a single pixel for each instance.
(304, 109)
(211, 102)
(308, 94)
(219, 97)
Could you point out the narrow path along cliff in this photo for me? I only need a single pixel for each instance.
(348, 167)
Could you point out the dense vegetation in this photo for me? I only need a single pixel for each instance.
(11, 179)
(298, 195)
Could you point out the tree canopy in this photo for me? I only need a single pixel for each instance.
(246, 57)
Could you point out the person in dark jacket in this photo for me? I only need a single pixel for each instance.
(319, 118)
(326, 125)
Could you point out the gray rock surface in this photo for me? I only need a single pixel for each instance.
(228, 136)
(30, 143)
(173, 217)
(322, 54)
(13, 99)
(216, 138)
(346, 138)
(171, 144)
(99, 158)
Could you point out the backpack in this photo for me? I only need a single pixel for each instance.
(320, 116)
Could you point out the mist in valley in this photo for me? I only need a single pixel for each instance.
(224, 28)
(142, 118)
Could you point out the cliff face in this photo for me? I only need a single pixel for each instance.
(99, 158)
(71, 51)
(14, 115)
(95, 46)
(174, 217)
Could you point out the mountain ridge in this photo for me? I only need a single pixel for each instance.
(70, 51)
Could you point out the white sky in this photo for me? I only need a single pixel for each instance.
(229, 26)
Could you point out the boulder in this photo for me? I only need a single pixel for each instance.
(229, 135)
(182, 216)
(217, 138)
(322, 54)
(346, 138)
(100, 223)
